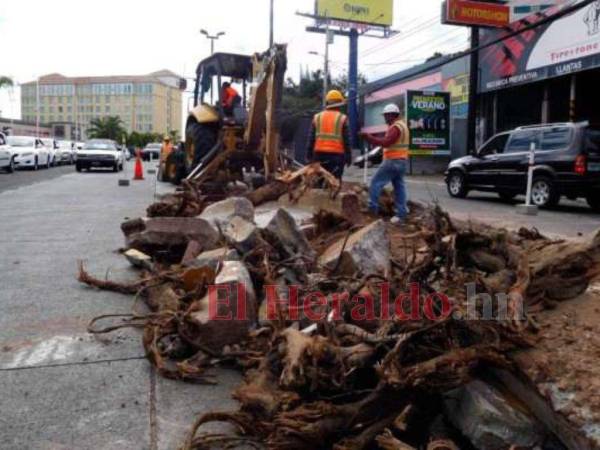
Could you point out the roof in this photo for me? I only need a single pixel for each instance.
(230, 64)
(419, 70)
(58, 78)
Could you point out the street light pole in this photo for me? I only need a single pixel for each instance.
(37, 107)
(271, 26)
(325, 72)
(213, 38)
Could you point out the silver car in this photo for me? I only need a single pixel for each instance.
(65, 153)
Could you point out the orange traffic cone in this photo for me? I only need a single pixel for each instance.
(139, 170)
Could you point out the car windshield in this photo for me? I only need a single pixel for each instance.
(18, 141)
(64, 144)
(99, 146)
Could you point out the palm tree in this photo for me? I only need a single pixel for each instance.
(5, 81)
(110, 127)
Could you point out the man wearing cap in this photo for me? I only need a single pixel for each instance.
(393, 168)
(329, 138)
(166, 148)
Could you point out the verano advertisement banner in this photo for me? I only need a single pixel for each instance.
(428, 119)
(375, 12)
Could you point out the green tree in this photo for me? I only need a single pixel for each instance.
(110, 127)
(5, 81)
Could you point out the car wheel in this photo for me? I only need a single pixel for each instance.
(593, 200)
(507, 196)
(116, 167)
(456, 185)
(543, 192)
(200, 139)
(11, 166)
(78, 167)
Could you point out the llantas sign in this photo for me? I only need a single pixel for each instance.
(466, 12)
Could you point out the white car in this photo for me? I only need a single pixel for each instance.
(28, 152)
(52, 147)
(100, 153)
(6, 157)
(65, 153)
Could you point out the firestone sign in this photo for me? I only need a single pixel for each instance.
(466, 12)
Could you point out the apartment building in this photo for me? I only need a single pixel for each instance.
(145, 103)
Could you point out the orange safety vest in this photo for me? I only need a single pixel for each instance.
(228, 96)
(329, 126)
(398, 150)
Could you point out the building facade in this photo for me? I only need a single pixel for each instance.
(548, 74)
(145, 103)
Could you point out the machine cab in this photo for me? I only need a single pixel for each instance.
(210, 76)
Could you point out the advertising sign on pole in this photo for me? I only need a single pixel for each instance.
(428, 119)
(374, 12)
(474, 13)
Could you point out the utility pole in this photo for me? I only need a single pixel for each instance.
(37, 107)
(212, 38)
(473, 83)
(271, 19)
(353, 87)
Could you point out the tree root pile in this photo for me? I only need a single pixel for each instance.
(353, 379)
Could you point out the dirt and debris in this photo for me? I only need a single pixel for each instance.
(404, 330)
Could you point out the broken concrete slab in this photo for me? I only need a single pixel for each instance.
(138, 259)
(212, 258)
(166, 238)
(366, 251)
(241, 234)
(220, 213)
(314, 200)
(227, 313)
(490, 420)
(283, 231)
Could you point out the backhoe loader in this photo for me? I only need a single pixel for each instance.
(222, 145)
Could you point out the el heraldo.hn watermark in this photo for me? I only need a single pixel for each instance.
(231, 302)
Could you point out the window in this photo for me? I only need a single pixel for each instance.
(556, 138)
(521, 141)
(60, 109)
(495, 146)
(107, 109)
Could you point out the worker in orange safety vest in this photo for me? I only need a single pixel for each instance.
(229, 98)
(393, 168)
(329, 138)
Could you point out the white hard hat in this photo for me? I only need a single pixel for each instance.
(392, 108)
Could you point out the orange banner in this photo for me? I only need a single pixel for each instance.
(466, 12)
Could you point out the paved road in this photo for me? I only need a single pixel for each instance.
(571, 218)
(62, 388)
(27, 176)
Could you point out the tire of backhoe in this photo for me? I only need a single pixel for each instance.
(173, 170)
(204, 137)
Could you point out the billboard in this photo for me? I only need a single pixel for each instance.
(474, 13)
(568, 45)
(428, 119)
(374, 12)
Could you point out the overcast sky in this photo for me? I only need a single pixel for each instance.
(122, 37)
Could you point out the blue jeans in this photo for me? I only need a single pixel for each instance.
(390, 171)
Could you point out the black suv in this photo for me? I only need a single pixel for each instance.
(567, 162)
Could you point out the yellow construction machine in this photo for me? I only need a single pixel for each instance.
(221, 144)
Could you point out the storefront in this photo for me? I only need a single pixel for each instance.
(543, 75)
(451, 77)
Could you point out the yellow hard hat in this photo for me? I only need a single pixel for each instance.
(334, 96)
(166, 138)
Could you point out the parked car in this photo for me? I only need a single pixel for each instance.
(375, 156)
(151, 151)
(28, 152)
(567, 163)
(100, 153)
(65, 152)
(6, 158)
(52, 147)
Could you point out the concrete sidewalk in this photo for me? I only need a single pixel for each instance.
(61, 387)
